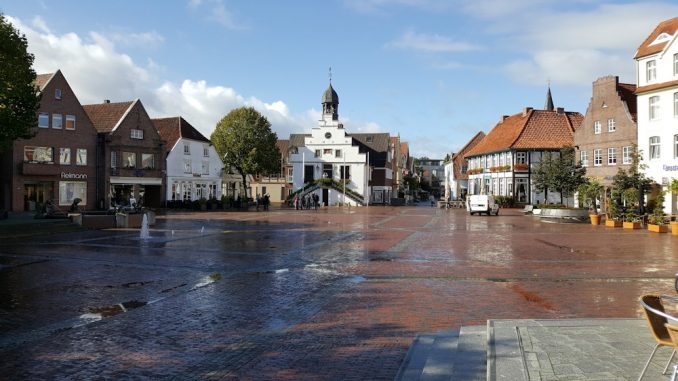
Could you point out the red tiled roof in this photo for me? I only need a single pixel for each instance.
(645, 49)
(105, 116)
(627, 93)
(404, 149)
(174, 128)
(458, 158)
(538, 129)
(283, 145)
(42, 79)
(656, 86)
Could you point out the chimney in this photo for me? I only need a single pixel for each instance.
(503, 118)
(526, 111)
(107, 101)
(560, 110)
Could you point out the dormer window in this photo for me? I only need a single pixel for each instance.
(661, 38)
(57, 94)
(369, 139)
(136, 134)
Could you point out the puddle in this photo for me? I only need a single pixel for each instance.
(115, 309)
(206, 281)
(357, 279)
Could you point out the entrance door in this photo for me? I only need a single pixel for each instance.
(35, 194)
(308, 174)
(326, 196)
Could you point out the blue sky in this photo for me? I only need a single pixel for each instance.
(434, 71)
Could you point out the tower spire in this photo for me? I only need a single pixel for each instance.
(330, 74)
(548, 106)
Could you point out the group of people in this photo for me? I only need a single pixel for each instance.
(263, 201)
(309, 201)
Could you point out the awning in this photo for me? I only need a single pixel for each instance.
(136, 180)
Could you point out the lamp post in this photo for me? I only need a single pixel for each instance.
(344, 177)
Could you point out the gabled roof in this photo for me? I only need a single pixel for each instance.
(283, 145)
(376, 141)
(477, 138)
(298, 140)
(627, 93)
(106, 116)
(532, 129)
(647, 47)
(41, 80)
(174, 128)
(404, 149)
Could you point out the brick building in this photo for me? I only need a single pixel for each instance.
(59, 162)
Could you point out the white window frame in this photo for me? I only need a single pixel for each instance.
(584, 158)
(205, 151)
(611, 125)
(144, 161)
(337, 153)
(626, 155)
(597, 157)
(129, 164)
(597, 129)
(81, 156)
(612, 156)
(67, 153)
(136, 133)
(653, 105)
(655, 147)
(57, 94)
(70, 118)
(114, 159)
(57, 121)
(43, 117)
(651, 70)
(187, 166)
(187, 149)
(675, 105)
(675, 146)
(675, 64)
(521, 157)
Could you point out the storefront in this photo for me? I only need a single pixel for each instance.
(145, 191)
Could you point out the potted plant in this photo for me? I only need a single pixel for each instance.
(673, 187)
(631, 220)
(589, 192)
(614, 218)
(656, 219)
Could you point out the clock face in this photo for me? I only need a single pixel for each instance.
(328, 135)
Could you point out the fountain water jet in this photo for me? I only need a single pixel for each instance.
(144, 234)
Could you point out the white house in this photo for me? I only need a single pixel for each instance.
(194, 168)
(657, 92)
(329, 152)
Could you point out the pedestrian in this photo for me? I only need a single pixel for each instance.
(258, 201)
(267, 201)
(296, 202)
(316, 200)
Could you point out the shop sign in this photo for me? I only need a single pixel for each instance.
(670, 167)
(73, 176)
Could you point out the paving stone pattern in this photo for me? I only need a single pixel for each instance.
(336, 294)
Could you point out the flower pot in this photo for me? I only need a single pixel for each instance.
(613, 223)
(674, 227)
(595, 219)
(657, 228)
(631, 225)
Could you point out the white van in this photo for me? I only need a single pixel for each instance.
(482, 203)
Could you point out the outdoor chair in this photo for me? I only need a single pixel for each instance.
(657, 318)
(673, 332)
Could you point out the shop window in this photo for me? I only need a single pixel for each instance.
(129, 159)
(147, 161)
(38, 154)
(70, 122)
(65, 156)
(81, 158)
(70, 190)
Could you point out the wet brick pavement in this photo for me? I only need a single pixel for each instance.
(327, 295)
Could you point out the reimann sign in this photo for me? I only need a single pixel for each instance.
(73, 176)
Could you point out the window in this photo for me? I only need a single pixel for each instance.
(611, 156)
(337, 153)
(129, 159)
(317, 153)
(65, 156)
(57, 93)
(38, 154)
(327, 151)
(70, 122)
(651, 70)
(206, 151)
(147, 161)
(675, 64)
(654, 107)
(70, 190)
(611, 125)
(136, 134)
(597, 157)
(345, 172)
(675, 105)
(675, 146)
(369, 139)
(654, 147)
(205, 167)
(521, 158)
(596, 127)
(187, 149)
(584, 158)
(114, 159)
(56, 121)
(187, 166)
(43, 120)
(626, 155)
(81, 158)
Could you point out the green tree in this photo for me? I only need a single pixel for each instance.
(19, 97)
(560, 172)
(244, 140)
(634, 178)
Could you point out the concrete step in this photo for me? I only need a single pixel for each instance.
(415, 360)
(440, 360)
(470, 361)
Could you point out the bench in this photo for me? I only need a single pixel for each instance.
(528, 209)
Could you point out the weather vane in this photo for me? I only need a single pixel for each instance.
(330, 74)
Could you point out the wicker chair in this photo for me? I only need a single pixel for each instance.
(673, 332)
(657, 318)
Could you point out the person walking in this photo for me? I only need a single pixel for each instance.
(267, 200)
(296, 202)
(316, 200)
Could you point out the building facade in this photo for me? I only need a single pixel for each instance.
(194, 168)
(605, 141)
(657, 92)
(456, 178)
(59, 163)
(502, 163)
(131, 154)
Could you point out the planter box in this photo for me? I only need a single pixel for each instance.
(613, 223)
(595, 219)
(674, 227)
(657, 228)
(631, 225)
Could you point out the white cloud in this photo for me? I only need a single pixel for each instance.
(430, 43)
(380, 6)
(219, 13)
(145, 39)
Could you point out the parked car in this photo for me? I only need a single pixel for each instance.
(482, 203)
